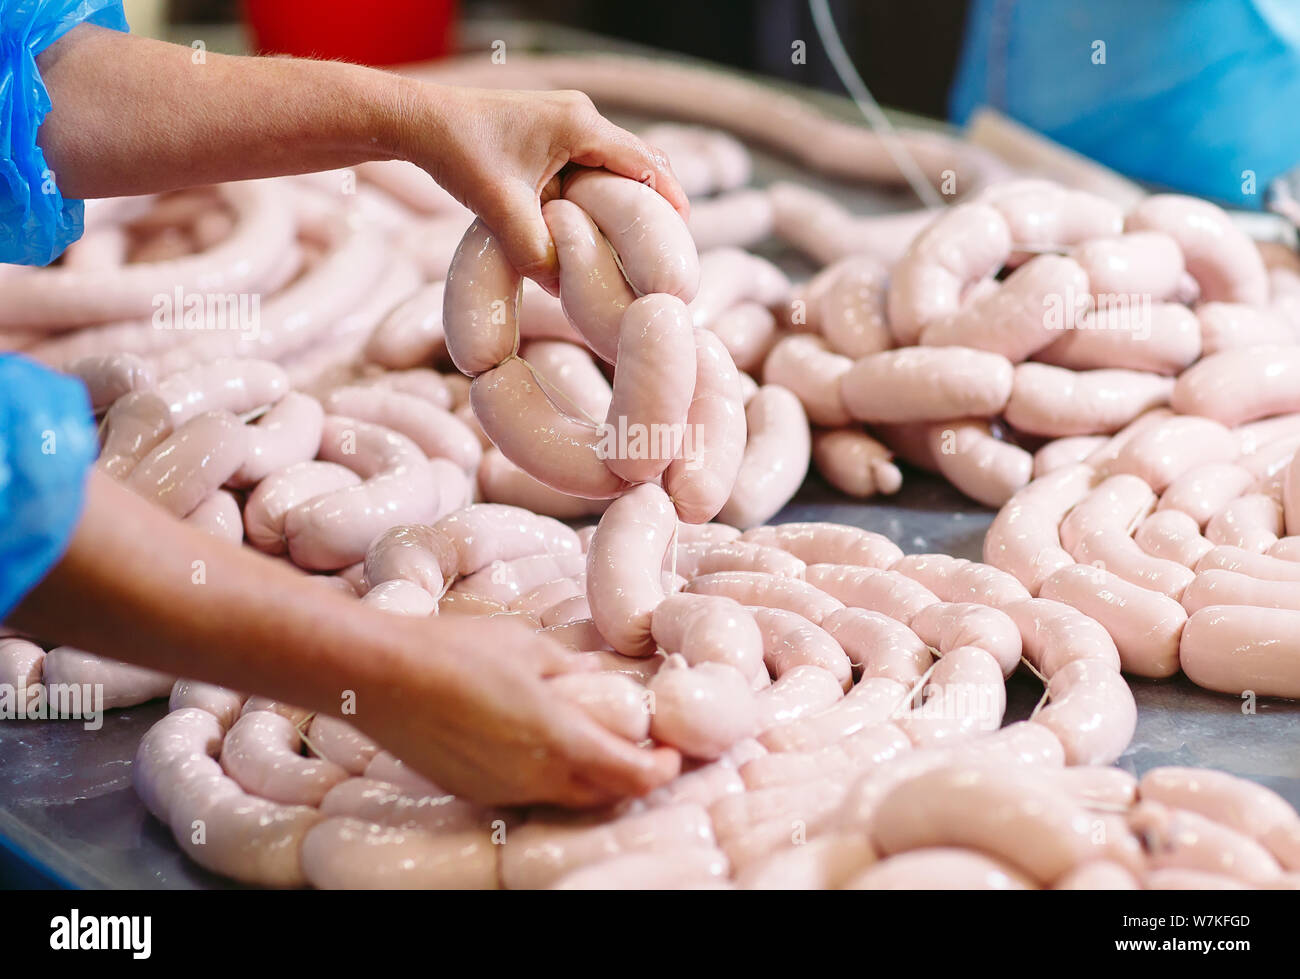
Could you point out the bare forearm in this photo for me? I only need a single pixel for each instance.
(132, 115)
(139, 586)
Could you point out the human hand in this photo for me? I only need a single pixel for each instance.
(500, 152)
(469, 709)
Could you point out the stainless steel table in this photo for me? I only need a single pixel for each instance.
(68, 812)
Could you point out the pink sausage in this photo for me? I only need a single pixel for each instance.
(1227, 325)
(416, 553)
(507, 581)
(550, 594)
(236, 386)
(349, 853)
(1145, 625)
(570, 369)
(1241, 385)
(964, 245)
(775, 461)
(219, 515)
(654, 382)
(791, 640)
(872, 701)
(1173, 536)
(1024, 539)
(1162, 453)
(748, 332)
(1222, 259)
(133, 427)
(1236, 803)
(488, 532)
(1053, 401)
(1016, 319)
(1119, 504)
(989, 470)
(940, 868)
(1044, 216)
(861, 753)
(703, 476)
(572, 609)
(1006, 816)
(1176, 839)
(653, 243)
(824, 863)
(624, 564)
(705, 558)
(768, 591)
(947, 626)
(1253, 522)
(288, 433)
(1259, 566)
(189, 464)
(539, 853)
(1219, 587)
(400, 486)
(593, 292)
(1118, 553)
(501, 482)
(1064, 452)
(1147, 263)
(846, 305)
(677, 868)
(964, 696)
(1098, 875)
(438, 433)
(523, 421)
(481, 303)
(446, 391)
(730, 276)
(701, 710)
(738, 218)
(816, 543)
(225, 705)
(1091, 710)
(1204, 490)
(879, 645)
(375, 801)
(855, 463)
(277, 494)
(260, 752)
(20, 662)
(959, 580)
(803, 364)
(799, 691)
(900, 385)
(411, 334)
(1163, 338)
(1053, 635)
(110, 376)
(889, 592)
(339, 742)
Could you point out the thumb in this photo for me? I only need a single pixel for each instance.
(516, 221)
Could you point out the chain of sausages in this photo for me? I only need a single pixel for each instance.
(836, 672)
(842, 722)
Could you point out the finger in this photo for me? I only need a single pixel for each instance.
(577, 793)
(623, 153)
(516, 220)
(613, 763)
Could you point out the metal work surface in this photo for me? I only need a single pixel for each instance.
(68, 812)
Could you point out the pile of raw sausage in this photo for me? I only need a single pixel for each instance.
(841, 721)
(840, 704)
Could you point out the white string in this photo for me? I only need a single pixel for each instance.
(843, 65)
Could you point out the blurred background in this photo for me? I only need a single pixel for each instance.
(1191, 96)
(904, 65)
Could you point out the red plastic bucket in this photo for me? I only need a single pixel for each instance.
(379, 32)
